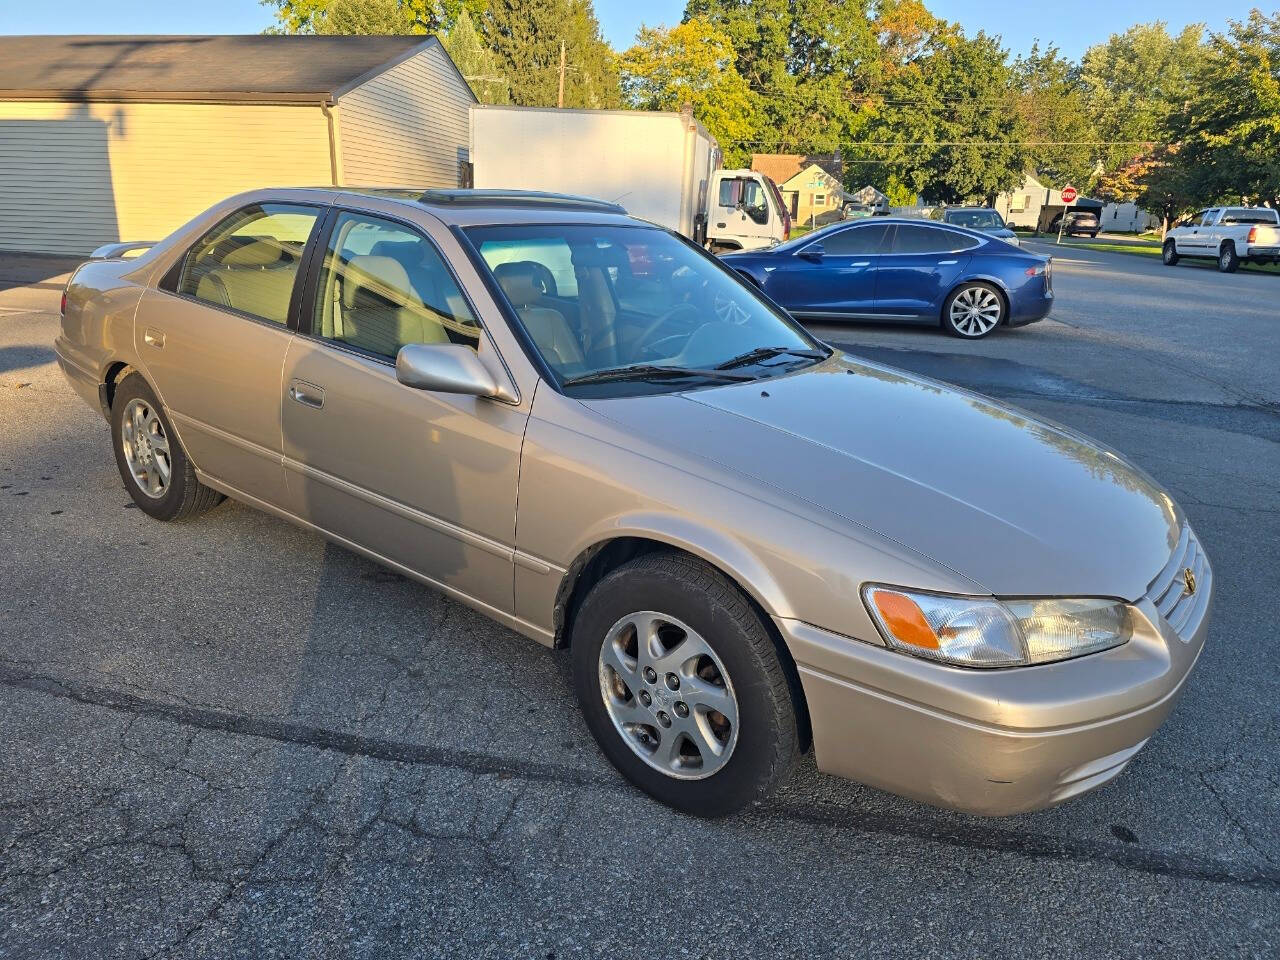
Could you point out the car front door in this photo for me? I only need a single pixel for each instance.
(922, 265)
(832, 276)
(1200, 239)
(212, 338)
(423, 479)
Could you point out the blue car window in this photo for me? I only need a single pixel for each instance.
(855, 241)
(910, 238)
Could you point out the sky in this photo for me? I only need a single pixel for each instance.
(1019, 23)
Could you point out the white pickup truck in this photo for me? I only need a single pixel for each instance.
(1230, 235)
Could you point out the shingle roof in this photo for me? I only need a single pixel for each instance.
(781, 167)
(262, 67)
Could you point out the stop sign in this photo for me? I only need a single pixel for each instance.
(1068, 194)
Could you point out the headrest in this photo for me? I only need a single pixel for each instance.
(517, 282)
(258, 253)
(381, 276)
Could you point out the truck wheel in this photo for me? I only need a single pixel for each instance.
(1228, 262)
(1169, 254)
(681, 685)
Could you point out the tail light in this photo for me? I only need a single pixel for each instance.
(63, 308)
(1253, 234)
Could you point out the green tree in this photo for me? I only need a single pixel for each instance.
(476, 62)
(947, 125)
(525, 37)
(1136, 84)
(1159, 181)
(368, 16)
(693, 63)
(1230, 128)
(810, 62)
(1051, 102)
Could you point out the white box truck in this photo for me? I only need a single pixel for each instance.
(662, 167)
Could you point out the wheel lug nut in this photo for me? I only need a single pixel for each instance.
(673, 682)
(663, 718)
(650, 676)
(682, 709)
(645, 698)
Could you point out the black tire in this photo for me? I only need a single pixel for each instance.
(1228, 262)
(681, 587)
(183, 496)
(963, 290)
(1169, 254)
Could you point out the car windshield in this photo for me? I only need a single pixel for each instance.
(635, 308)
(975, 219)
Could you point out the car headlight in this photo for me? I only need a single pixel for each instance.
(985, 632)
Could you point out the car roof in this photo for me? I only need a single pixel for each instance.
(471, 207)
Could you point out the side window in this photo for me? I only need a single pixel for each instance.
(383, 285)
(730, 192)
(249, 261)
(1209, 216)
(754, 204)
(913, 239)
(856, 241)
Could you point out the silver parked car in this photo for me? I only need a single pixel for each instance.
(599, 436)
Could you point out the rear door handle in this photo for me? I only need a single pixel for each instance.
(153, 338)
(861, 263)
(308, 394)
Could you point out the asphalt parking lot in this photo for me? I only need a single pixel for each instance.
(227, 738)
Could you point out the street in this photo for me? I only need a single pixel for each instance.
(227, 738)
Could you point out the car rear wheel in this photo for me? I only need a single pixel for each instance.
(155, 469)
(1169, 254)
(1228, 262)
(973, 311)
(681, 685)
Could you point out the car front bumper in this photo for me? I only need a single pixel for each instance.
(991, 742)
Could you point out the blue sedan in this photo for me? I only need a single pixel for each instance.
(911, 271)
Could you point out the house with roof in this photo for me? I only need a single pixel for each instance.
(106, 138)
(1034, 206)
(810, 185)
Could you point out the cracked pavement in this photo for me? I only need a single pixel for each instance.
(226, 738)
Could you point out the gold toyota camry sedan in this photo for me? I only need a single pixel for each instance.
(590, 430)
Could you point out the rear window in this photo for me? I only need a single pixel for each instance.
(1250, 215)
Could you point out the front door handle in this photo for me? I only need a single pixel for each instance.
(307, 394)
(946, 263)
(153, 337)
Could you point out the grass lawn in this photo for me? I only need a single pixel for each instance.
(1152, 249)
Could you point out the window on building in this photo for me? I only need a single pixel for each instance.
(1019, 203)
(819, 199)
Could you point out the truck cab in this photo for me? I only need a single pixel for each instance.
(745, 211)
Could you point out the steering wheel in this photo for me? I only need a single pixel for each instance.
(639, 343)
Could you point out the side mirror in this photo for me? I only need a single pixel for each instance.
(446, 368)
(813, 252)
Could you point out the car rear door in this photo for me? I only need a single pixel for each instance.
(923, 263)
(834, 275)
(426, 480)
(212, 338)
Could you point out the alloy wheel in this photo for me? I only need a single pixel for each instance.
(146, 448)
(668, 695)
(974, 311)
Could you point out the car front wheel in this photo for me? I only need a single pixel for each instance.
(155, 469)
(681, 685)
(1169, 254)
(973, 311)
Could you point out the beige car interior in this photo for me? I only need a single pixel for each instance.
(547, 325)
(256, 277)
(396, 295)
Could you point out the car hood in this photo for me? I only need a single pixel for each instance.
(1020, 506)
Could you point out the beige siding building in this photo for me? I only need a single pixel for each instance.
(126, 138)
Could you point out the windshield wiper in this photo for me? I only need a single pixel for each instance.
(764, 353)
(651, 371)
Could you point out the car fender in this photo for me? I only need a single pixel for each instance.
(715, 547)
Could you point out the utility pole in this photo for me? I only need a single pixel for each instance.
(560, 96)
